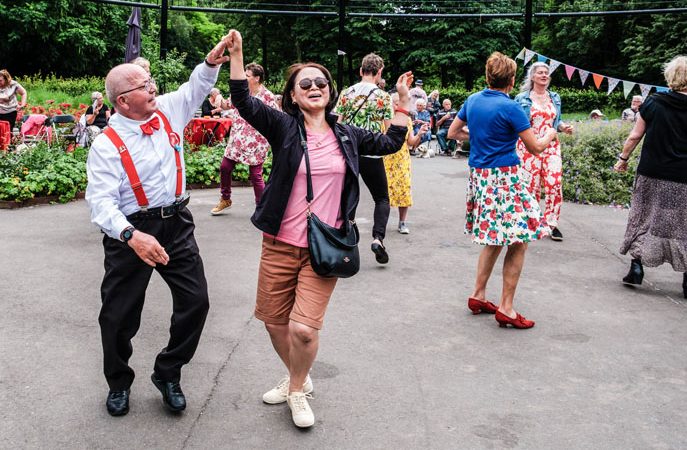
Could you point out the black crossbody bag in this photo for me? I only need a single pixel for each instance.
(333, 251)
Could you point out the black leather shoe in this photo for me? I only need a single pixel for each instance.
(117, 403)
(381, 255)
(172, 396)
(636, 273)
(556, 234)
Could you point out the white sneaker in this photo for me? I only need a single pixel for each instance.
(301, 413)
(279, 393)
(403, 228)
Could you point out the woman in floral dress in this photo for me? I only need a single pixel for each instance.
(500, 210)
(544, 110)
(245, 145)
(397, 166)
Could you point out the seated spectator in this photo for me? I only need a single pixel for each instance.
(444, 120)
(596, 115)
(434, 106)
(631, 113)
(422, 116)
(415, 94)
(97, 116)
(212, 106)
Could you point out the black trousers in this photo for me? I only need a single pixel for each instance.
(373, 174)
(11, 118)
(123, 292)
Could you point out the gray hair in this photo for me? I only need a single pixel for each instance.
(421, 101)
(214, 91)
(95, 95)
(675, 73)
(637, 97)
(527, 83)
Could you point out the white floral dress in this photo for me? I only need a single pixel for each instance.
(245, 144)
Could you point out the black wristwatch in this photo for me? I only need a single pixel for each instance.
(127, 234)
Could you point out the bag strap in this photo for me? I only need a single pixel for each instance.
(129, 167)
(304, 144)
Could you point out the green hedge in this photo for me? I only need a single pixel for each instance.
(45, 171)
(42, 171)
(588, 159)
(202, 166)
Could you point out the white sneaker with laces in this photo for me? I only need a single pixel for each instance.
(403, 228)
(301, 413)
(279, 393)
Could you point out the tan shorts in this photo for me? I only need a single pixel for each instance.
(288, 288)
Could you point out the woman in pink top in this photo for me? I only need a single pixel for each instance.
(291, 297)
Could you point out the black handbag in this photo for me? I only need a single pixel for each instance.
(333, 251)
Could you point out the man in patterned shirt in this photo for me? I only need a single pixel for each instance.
(367, 106)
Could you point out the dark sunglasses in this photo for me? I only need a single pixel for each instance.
(306, 83)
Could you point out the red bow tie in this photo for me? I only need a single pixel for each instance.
(150, 126)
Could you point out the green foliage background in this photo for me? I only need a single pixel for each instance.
(79, 38)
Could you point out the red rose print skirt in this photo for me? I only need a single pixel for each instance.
(500, 209)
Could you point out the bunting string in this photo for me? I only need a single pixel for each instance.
(528, 55)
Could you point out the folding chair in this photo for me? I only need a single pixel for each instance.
(63, 127)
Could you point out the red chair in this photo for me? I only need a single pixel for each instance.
(5, 135)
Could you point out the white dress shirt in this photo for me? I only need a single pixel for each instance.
(109, 193)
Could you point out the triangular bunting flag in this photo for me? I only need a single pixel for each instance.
(645, 88)
(612, 83)
(583, 75)
(597, 79)
(662, 89)
(627, 87)
(521, 55)
(553, 65)
(528, 55)
(569, 71)
(541, 58)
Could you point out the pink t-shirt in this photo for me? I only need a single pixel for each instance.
(328, 170)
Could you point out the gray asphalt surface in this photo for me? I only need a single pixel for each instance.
(402, 363)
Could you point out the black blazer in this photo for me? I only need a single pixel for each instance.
(281, 131)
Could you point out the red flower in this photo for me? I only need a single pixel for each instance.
(514, 169)
(492, 214)
(532, 224)
(487, 201)
(470, 206)
(518, 208)
(83, 106)
(490, 190)
(484, 225)
(493, 234)
(526, 204)
(65, 105)
(481, 235)
(517, 199)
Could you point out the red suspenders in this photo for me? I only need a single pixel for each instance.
(128, 163)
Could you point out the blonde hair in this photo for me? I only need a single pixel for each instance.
(500, 70)
(675, 73)
(528, 83)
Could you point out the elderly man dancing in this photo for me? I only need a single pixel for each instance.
(136, 193)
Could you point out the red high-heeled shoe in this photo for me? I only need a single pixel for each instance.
(478, 306)
(519, 321)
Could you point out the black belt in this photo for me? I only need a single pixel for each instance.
(161, 212)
